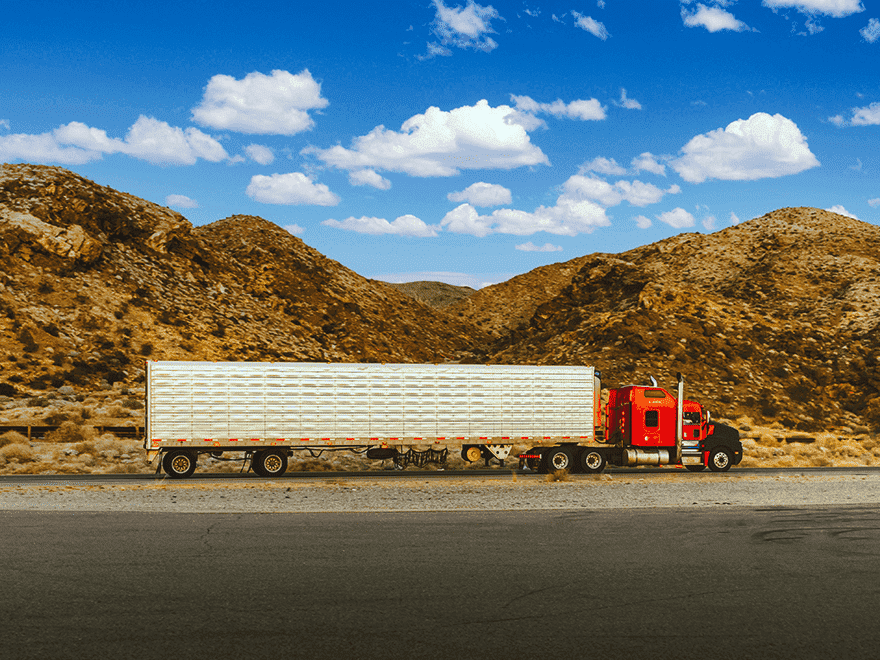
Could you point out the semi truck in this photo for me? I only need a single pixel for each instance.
(413, 414)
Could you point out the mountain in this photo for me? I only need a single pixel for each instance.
(778, 318)
(434, 294)
(93, 281)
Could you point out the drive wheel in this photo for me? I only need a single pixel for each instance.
(471, 454)
(179, 463)
(558, 458)
(720, 460)
(592, 461)
(695, 468)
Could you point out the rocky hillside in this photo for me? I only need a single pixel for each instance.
(777, 318)
(500, 308)
(434, 294)
(92, 281)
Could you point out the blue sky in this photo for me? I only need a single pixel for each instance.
(460, 142)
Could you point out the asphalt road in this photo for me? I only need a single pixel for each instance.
(668, 583)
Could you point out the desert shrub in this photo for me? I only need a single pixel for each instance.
(29, 345)
(37, 402)
(7, 390)
(56, 418)
(12, 438)
(71, 432)
(146, 349)
(133, 404)
(20, 453)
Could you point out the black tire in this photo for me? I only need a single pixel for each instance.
(533, 464)
(558, 458)
(695, 468)
(720, 459)
(270, 462)
(592, 461)
(179, 463)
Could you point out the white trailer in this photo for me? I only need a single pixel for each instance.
(410, 413)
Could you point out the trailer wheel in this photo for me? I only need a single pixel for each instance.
(720, 460)
(270, 463)
(471, 454)
(695, 468)
(592, 461)
(557, 458)
(179, 463)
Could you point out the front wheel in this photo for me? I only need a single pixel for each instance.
(179, 463)
(720, 460)
(592, 461)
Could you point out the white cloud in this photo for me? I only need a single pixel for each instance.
(43, 148)
(291, 188)
(648, 162)
(837, 120)
(867, 116)
(590, 25)
(762, 146)
(368, 177)
(531, 247)
(734, 219)
(838, 208)
(714, 19)
(527, 108)
(574, 213)
(276, 104)
(148, 139)
(602, 165)
(482, 194)
(405, 225)
(874, 203)
(678, 218)
(870, 33)
(643, 222)
(607, 194)
(833, 8)
(462, 27)
(260, 154)
(294, 229)
(181, 202)
(4, 123)
(440, 143)
(629, 104)
(709, 222)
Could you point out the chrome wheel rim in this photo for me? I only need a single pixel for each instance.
(594, 460)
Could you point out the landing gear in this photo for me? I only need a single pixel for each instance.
(179, 463)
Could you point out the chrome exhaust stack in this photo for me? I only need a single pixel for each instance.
(679, 418)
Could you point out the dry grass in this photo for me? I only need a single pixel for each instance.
(71, 432)
(12, 438)
(557, 475)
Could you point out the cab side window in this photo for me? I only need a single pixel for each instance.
(652, 418)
